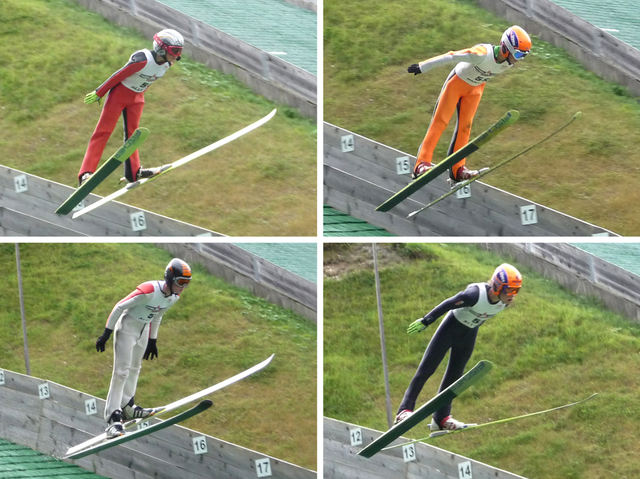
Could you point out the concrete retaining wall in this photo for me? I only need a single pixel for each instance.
(356, 182)
(246, 270)
(53, 425)
(28, 204)
(597, 50)
(342, 462)
(264, 73)
(580, 272)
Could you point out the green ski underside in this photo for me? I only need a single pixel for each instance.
(508, 119)
(130, 436)
(109, 166)
(446, 396)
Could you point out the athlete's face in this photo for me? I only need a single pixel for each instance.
(171, 58)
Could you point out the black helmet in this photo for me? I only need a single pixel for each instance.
(178, 273)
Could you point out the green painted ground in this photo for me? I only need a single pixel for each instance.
(22, 462)
(618, 17)
(298, 258)
(275, 26)
(336, 223)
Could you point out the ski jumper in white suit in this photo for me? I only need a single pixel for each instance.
(134, 320)
(466, 312)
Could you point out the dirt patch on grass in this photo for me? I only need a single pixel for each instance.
(341, 259)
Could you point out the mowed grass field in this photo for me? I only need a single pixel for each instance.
(551, 348)
(589, 171)
(263, 184)
(214, 332)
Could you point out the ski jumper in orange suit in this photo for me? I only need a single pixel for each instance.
(126, 89)
(461, 93)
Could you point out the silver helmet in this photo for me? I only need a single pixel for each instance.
(168, 41)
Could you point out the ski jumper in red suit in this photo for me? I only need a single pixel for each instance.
(126, 89)
(461, 93)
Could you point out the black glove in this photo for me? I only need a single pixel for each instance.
(152, 349)
(102, 340)
(415, 69)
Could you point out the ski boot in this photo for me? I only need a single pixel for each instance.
(402, 415)
(84, 178)
(131, 411)
(464, 174)
(144, 173)
(420, 169)
(147, 172)
(116, 427)
(447, 424)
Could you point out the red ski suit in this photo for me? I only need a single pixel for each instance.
(125, 90)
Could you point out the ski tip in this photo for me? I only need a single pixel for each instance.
(577, 115)
(488, 365)
(515, 114)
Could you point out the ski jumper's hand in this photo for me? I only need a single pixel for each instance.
(102, 340)
(414, 68)
(152, 349)
(91, 97)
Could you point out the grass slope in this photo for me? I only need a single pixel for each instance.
(263, 184)
(550, 349)
(589, 171)
(214, 332)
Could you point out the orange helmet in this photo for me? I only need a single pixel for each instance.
(515, 41)
(504, 277)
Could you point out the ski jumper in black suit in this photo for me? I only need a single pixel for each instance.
(466, 311)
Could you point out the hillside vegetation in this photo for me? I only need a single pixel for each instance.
(551, 348)
(263, 184)
(214, 332)
(590, 171)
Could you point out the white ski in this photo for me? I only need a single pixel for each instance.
(130, 436)
(174, 405)
(175, 164)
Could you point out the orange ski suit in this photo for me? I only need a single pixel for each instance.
(456, 96)
(461, 93)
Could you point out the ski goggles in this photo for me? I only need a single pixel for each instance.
(182, 281)
(519, 55)
(511, 291)
(176, 51)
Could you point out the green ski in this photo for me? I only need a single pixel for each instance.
(508, 119)
(500, 421)
(484, 173)
(130, 436)
(124, 152)
(426, 410)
